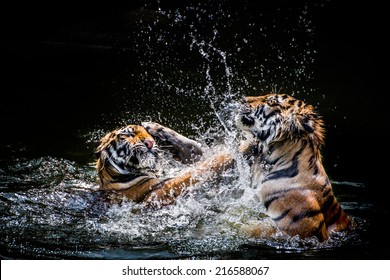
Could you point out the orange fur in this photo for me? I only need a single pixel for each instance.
(142, 185)
(287, 167)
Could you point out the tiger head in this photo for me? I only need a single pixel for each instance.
(126, 153)
(286, 167)
(277, 117)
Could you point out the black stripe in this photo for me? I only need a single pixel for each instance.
(315, 172)
(284, 214)
(327, 192)
(335, 217)
(313, 165)
(269, 201)
(276, 195)
(305, 214)
(292, 101)
(159, 185)
(263, 135)
(327, 204)
(273, 104)
(274, 112)
(272, 147)
(274, 161)
(259, 111)
(123, 178)
(247, 120)
(306, 125)
(288, 172)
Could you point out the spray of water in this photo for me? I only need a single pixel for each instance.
(213, 212)
(59, 199)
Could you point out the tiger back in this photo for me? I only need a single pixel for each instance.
(287, 167)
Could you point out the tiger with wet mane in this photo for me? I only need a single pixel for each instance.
(287, 167)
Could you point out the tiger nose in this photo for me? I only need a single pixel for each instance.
(149, 143)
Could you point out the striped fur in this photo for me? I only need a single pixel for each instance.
(287, 166)
(127, 160)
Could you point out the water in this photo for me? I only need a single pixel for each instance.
(184, 65)
(51, 208)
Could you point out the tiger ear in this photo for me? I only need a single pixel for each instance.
(98, 149)
(102, 145)
(104, 142)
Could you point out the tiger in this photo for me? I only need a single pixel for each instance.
(128, 164)
(287, 170)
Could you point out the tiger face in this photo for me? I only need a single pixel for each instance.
(275, 117)
(128, 164)
(124, 154)
(287, 169)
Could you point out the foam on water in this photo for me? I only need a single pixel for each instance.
(59, 212)
(51, 207)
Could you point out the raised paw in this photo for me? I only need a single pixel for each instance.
(182, 148)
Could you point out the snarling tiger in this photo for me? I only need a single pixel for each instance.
(287, 165)
(128, 157)
(284, 138)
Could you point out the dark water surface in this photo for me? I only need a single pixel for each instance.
(72, 73)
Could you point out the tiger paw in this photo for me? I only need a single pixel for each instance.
(257, 229)
(182, 148)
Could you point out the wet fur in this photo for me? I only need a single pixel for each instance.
(287, 167)
(285, 137)
(127, 158)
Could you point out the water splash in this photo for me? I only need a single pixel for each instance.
(51, 207)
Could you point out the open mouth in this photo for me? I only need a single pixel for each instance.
(247, 120)
(145, 159)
